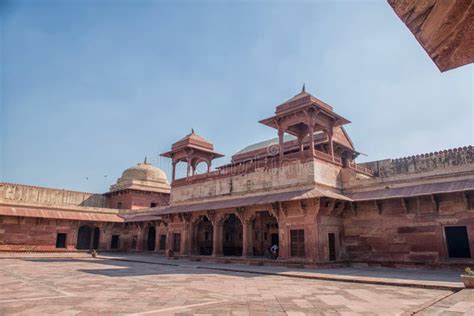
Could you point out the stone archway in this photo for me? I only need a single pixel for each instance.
(203, 238)
(84, 237)
(232, 236)
(266, 234)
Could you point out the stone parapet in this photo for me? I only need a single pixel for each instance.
(422, 163)
(48, 196)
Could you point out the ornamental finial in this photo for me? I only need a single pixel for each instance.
(145, 162)
(303, 89)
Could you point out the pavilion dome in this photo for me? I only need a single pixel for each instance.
(144, 172)
(145, 177)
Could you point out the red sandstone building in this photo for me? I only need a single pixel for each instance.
(302, 190)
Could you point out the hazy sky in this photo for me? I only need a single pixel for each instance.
(88, 88)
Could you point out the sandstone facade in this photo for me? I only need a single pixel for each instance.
(305, 194)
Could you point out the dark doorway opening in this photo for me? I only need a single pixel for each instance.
(151, 238)
(204, 237)
(177, 242)
(162, 242)
(457, 241)
(95, 243)
(134, 242)
(61, 240)
(84, 237)
(233, 231)
(115, 242)
(297, 243)
(332, 246)
(264, 234)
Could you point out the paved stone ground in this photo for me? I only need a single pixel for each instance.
(84, 286)
(444, 279)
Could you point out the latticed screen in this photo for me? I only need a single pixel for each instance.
(297, 242)
(177, 242)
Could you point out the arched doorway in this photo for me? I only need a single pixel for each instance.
(203, 237)
(233, 232)
(151, 238)
(95, 243)
(265, 234)
(84, 237)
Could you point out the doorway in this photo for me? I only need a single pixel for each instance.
(457, 241)
(332, 246)
(151, 238)
(95, 240)
(233, 233)
(84, 237)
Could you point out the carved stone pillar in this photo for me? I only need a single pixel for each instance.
(217, 238)
(247, 241)
(173, 177)
(140, 238)
(311, 135)
(329, 133)
(280, 142)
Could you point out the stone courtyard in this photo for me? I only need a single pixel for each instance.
(80, 285)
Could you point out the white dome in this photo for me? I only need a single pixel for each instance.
(144, 172)
(143, 177)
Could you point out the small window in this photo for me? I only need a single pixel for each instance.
(61, 240)
(119, 205)
(115, 242)
(153, 204)
(162, 242)
(206, 236)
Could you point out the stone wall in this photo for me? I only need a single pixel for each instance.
(133, 200)
(39, 234)
(292, 174)
(408, 230)
(422, 163)
(47, 196)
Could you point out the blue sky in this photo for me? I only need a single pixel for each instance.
(88, 88)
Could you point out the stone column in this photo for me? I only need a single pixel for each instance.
(140, 238)
(280, 142)
(217, 238)
(173, 177)
(247, 238)
(311, 136)
(329, 133)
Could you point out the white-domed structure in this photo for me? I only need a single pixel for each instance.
(144, 176)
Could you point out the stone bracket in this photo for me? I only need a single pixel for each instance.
(434, 202)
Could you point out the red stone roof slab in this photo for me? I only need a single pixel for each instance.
(416, 190)
(65, 215)
(253, 200)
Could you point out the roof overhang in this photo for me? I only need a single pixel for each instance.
(444, 28)
(253, 200)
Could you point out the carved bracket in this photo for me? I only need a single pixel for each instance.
(434, 202)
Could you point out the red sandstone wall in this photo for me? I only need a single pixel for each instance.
(413, 232)
(138, 200)
(34, 233)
